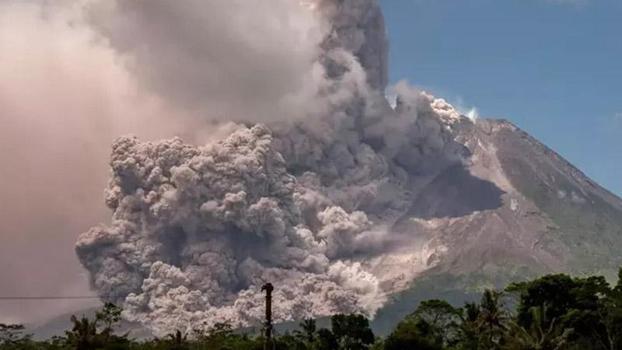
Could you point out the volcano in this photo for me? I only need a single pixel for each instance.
(345, 201)
(528, 212)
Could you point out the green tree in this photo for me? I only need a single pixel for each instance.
(326, 340)
(306, 336)
(469, 327)
(610, 313)
(106, 319)
(543, 333)
(442, 319)
(352, 332)
(97, 333)
(413, 334)
(221, 336)
(10, 333)
(582, 305)
(491, 320)
(83, 334)
(12, 336)
(178, 340)
(309, 329)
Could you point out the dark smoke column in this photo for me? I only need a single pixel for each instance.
(268, 288)
(358, 26)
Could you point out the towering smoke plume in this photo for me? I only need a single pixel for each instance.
(306, 199)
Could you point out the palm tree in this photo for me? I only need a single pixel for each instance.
(83, 334)
(543, 333)
(469, 328)
(492, 319)
(309, 328)
(178, 340)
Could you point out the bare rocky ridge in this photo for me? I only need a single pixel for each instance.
(529, 212)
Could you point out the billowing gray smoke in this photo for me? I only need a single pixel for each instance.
(304, 201)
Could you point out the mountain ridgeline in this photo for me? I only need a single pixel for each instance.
(515, 210)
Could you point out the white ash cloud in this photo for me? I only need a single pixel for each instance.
(62, 101)
(64, 97)
(196, 230)
(302, 202)
(247, 61)
(224, 59)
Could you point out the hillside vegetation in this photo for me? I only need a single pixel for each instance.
(553, 312)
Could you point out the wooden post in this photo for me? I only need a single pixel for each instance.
(268, 330)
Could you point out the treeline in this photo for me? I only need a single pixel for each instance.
(555, 312)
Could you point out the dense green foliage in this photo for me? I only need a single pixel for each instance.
(554, 312)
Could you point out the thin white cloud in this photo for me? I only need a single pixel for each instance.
(469, 111)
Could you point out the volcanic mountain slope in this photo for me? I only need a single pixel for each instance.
(515, 209)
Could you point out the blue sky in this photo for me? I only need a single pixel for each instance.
(552, 67)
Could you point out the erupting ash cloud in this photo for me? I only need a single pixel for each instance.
(302, 194)
(196, 229)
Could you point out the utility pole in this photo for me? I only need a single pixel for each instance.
(268, 330)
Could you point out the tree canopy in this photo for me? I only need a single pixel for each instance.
(553, 312)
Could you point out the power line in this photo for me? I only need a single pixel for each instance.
(50, 297)
(85, 297)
